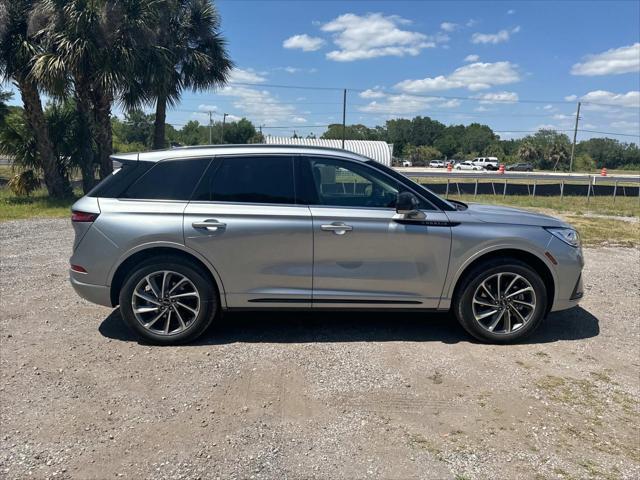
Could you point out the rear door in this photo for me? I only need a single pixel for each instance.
(364, 254)
(244, 220)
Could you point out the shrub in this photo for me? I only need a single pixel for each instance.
(24, 183)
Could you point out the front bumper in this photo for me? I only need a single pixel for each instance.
(100, 294)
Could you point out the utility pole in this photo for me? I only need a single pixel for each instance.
(344, 114)
(575, 133)
(224, 118)
(210, 126)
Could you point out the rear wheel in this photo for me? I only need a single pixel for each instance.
(168, 300)
(501, 301)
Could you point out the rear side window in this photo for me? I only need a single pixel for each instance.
(116, 183)
(168, 180)
(254, 179)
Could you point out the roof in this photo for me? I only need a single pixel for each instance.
(375, 149)
(212, 150)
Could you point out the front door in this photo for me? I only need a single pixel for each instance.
(365, 255)
(244, 220)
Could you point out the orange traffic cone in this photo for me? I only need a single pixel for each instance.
(603, 172)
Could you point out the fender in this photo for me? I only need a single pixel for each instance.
(175, 246)
(454, 277)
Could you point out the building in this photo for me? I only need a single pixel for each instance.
(376, 150)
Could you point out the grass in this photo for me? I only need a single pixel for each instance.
(623, 206)
(37, 205)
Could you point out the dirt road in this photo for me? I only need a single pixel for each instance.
(311, 395)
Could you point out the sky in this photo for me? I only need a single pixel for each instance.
(515, 66)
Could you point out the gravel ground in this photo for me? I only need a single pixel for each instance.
(302, 395)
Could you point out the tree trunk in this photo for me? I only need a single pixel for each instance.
(103, 134)
(158, 125)
(57, 184)
(83, 105)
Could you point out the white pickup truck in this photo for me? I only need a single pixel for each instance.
(490, 163)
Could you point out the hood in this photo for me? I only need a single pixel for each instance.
(513, 216)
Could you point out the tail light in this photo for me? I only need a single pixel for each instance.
(78, 216)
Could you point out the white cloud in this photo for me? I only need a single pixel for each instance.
(571, 98)
(475, 76)
(548, 107)
(304, 42)
(511, 12)
(372, 93)
(248, 75)
(375, 35)
(453, 103)
(299, 120)
(626, 127)
(501, 36)
(207, 108)
(259, 105)
(629, 99)
(472, 58)
(449, 26)
(291, 69)
(612, 62)
(498, 97)
(398, 105)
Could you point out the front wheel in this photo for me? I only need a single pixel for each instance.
(168, 300)
(501, 301)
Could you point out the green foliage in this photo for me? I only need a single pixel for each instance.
(352, 132)
(583, 163)
(421, 155)
(610, 153)
(24, 183)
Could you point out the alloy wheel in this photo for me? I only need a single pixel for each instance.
(504, 302)
(165, 302)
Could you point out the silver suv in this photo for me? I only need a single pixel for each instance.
(176, 236)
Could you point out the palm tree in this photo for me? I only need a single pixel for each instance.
(190, 53)
(17, 49)
(527, 152)
(92, 47)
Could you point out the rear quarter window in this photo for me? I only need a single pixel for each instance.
(168, 180)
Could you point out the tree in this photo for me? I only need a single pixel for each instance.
(477, 138)
(351, 132)
(17, 49)
(188, 53)
(92, 46)
(559, 155)
(421, 155)
(527, 152)
(239, 132)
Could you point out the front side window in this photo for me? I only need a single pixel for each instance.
(168, 180)
(348, 184)
(250, 179)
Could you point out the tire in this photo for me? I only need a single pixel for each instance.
(189, 314)
(471, 299)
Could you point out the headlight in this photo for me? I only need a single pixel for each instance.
(567, 235)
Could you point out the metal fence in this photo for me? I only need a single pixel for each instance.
(531, 184)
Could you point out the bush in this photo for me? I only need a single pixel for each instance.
(24, 183)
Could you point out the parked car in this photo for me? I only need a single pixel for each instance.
(489, 163)
(407, 163)
(174, 237)
(520, 167)
(467, 165)
(436, 164)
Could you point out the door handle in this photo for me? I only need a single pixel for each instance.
(337, 228)
(211, 224)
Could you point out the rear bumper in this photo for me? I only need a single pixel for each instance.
(100, 294)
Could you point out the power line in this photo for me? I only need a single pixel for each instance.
(419, 95)
(612, 133)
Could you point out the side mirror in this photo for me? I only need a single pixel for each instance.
(406, 203)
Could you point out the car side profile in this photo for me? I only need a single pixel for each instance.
(174, 237)
(468, 165)
(436, 164)
(520, 167)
